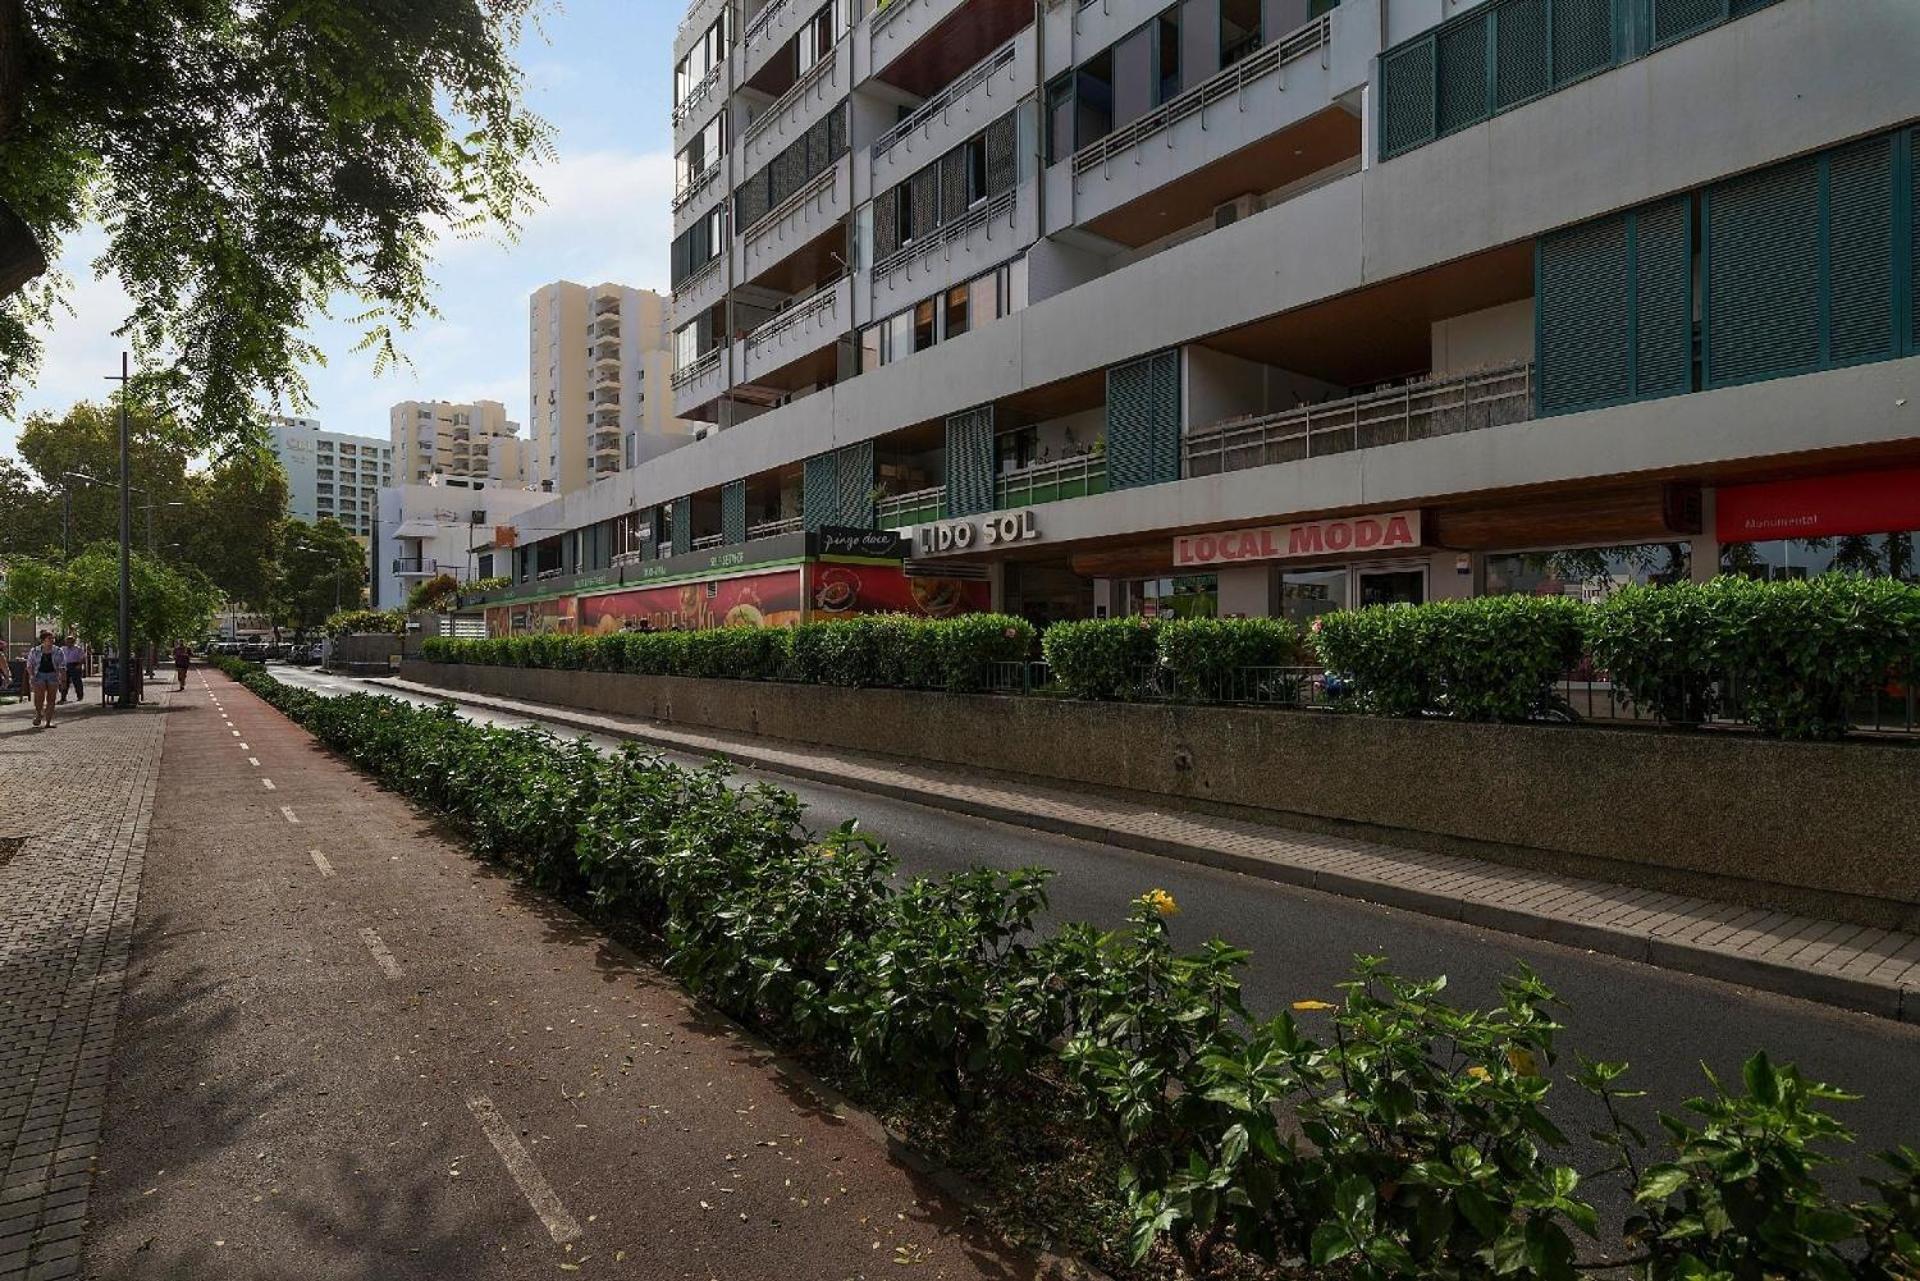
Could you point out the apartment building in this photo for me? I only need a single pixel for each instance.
(1282, 306)
(469, 445)
(424, 531)
(330, 475)
(599, 364)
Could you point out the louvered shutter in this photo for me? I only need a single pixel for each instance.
(1523, 63)
(970, 462)
(854, 480)
(1462, 96)
(1913, 247)
(679, 264)
(886, 224)
(733, 512)
(1003, 165)
(1143, 422)
(750, 202)
(1763, 280)
(1582, 294)
(1406, 97)
(837, 132)
(820, 492)
(926, 200)
(1583, 38)
(1663, 299)
(682, 526)
(953, 184)
(819, 147)
(1860, 248)
(1678, 19)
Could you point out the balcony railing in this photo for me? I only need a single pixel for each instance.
(799, 313)
(1443, 407)
(935, 241)
(820, 184)
(698, 94)
(774, 528)
(1051, 482)
(408, 566)
(945, 98)
(763, 20)
(798, 90)
(699, 368)
(914, 508)
(698, 280)
(1315, 35)
(706, 541)
(886, 13)
(698, 183)
(622, 559)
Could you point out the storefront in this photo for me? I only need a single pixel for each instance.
(1856, 522)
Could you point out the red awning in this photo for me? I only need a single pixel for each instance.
(1877, 502)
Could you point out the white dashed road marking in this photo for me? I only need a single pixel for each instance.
(540, 1195)
(290, 815)
(268, 784)
(235, 733)
(254, 761)
(320, 861)
(244, 747)
(380, 954)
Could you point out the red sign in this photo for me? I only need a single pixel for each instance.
(1388, 531)
(1878, 502)
(553, 615)
(840, 590)
(753, 600)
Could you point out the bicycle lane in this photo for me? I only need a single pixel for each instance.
(351, 1050)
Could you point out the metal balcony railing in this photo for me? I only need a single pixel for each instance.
(698, 94)
(699, 368)
(798, 90)
(933, 242)
(774, 528)
(699, 279)
(1316, 35)
(1051, 482)
(706, 541)
(885, 13)
(979, 75)
(1418, 411)
(822, 183)
(408, 565)
(764, 19)
(698, 183)
(822, 300)
(914, 508)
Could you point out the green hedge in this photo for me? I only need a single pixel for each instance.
(1431, 1149)
(951, 654)
(1111, 658)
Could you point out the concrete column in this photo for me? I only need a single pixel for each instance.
(1249, 590)
(1704, 547)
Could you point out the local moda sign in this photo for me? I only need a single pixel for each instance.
(965, 535)
(1386, 532)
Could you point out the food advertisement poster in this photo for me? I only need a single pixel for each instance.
(753, 600)
(554, 615)
(842, 590)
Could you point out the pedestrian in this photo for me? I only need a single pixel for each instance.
(182, 656)
(76, 670)
(46, 665)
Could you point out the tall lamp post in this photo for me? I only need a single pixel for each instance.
(124, 635)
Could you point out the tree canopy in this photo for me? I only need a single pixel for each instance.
(251, 160)
(168, 604)
(321, 569)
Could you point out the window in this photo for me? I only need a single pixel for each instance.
(1190, 596)
(903, 194)
(983, 298)
(1589, 573)
(924, 334)
(1133, 75)
(956, 311)
(1093, 100)
(1060, 118)
(870, 347)
(1167, 56)
(1239, 29)
(974, 166)
(1875, 555)
(701, 153)
(899, 336)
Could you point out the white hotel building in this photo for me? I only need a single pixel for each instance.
(1149, 305)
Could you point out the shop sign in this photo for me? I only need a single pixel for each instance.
(1878, 502)
(1389, 531)
(985, 531)
(839, 540)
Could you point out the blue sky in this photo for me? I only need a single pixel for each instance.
(599, 71)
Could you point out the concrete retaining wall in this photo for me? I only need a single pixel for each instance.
(1830, 829)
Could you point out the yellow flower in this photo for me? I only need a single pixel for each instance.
(1479, 1073)
(1313, 1005)
(1161, 902)
(1521, 1060)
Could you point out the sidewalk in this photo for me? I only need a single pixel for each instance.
(1876, 971)
(351, 1050)
(74, 806)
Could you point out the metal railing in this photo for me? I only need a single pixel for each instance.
(820, 184)
(980, 74)
(887, 11)
(1315, 35)
(546, 574)
(698, 94)
(1051, 482)
(698, 183)
(821, 300)
(795, 92)
(706, 541)
(622, 559)
(913, 508)
(774, 528)
(940, 238)
(415, 565)
(763, 20)
(698, 280)
(1418, 411)
(698, 369)
(1892, 706)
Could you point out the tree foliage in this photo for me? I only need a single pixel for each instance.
(321, 569)
(252, 160)
(168, 603)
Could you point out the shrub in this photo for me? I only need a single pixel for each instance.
(1103, 657)
(1660, 647)
(840, 652)
(1377, 659)
(437, 593)
(1204, 654)
(966, 647)
(367, 622)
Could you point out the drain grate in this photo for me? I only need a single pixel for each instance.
(9, 846)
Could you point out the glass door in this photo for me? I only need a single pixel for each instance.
(1400, 584)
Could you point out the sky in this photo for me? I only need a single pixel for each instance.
(600, 72)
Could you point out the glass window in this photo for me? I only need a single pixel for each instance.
(904, 194)
(1239, 29)
(923, 322)
(1190, 596)
(1060, 118)
(956, 309)
(899, 336)
(1133, 75)
(983, 299)
(1305, 594)
(1167, 52)
(870, 348)
(1590, 573)
(1093, 100)
(1876, 555)
(976, 169)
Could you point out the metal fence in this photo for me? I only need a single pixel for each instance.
(1891, 706)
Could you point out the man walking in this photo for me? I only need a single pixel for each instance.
(76, 670)
(182, 659)
(46, 667)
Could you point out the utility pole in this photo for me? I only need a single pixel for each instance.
(124, 642)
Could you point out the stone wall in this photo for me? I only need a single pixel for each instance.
(1832, 829)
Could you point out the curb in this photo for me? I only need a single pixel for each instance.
(1860, 995)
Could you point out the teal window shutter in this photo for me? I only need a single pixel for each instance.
(1407, 97)
(1860, 264)
(1764, 287)
(1583, 39)
(682, 526)
(1143, 422)
(970, 462)
(1677, 19)
(1523, 56)
(1909, 211)
(854, 478)
(820, 492)
(1461, 97)
(733, 512)
(1583, 299)
(1663, 298)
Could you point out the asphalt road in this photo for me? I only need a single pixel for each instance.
(1666, 1024)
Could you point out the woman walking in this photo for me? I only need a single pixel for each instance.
(182, 658)
(46, 669)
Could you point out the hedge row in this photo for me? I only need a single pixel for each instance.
(1431, 1150)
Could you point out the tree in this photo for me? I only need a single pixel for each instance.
(250, 161)
(29, 516)
(321, 569)
(231, 526)
(84, 593)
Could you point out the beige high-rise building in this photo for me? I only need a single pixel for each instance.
(599, 368)
(466, 444)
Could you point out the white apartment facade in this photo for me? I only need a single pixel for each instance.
(599, 365)
(331, 476)
(1279, 306)
(424, 531)
(474, 443)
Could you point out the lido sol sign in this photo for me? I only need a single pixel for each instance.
(986, 531)
(1389, 531)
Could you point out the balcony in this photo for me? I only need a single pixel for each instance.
(898, 25)
(775, 528)
(788, 117)
(767, 31)
(700, 383)
(799, 331)
(701, 290)
(1051, 482)
(706, 183)
(897, 511)
(700, 97)
(606, 324)
(798, 220)
(706, 542)
(983, 237)
(415, 567)
(956, 113)
(1418, 411)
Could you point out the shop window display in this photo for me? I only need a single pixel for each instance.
(1190, 596)
(1876, 555)
(1590, 573)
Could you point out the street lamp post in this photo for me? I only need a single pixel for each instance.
(124, 640)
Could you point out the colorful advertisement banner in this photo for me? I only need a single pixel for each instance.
(555, 615)
(752, 600)
(839, 591)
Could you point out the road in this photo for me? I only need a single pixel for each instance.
(1665, 1024)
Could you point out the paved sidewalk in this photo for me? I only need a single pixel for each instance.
(352, 1051)
(74, 807)
(1876, 971)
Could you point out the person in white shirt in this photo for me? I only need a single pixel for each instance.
(46, 669)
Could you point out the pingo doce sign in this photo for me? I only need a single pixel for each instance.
(1381, 533)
